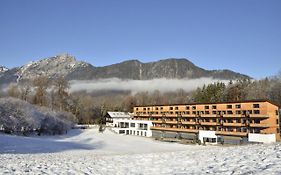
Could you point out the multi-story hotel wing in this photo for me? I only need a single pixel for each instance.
(230, 120)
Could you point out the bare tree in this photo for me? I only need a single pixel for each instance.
(61, 87)
(13, 91)
(41, 84)
(25, 90)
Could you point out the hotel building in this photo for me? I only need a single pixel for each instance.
(242, 120)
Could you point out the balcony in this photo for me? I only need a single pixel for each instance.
(174, 129)
(142, 115)
(171, 115)
(229, 133)
(188, 123)
(157, 121)
(171, 122)
(258, 116)
(209, 123)
(208, 115)
(189, 115)
(259, 125)
(233, 116)
(234, 124)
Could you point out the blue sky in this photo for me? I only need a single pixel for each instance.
(241, 35)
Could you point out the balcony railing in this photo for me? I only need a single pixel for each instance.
(209, 123)
(234, 124)
(188, 123)
(233, 116)
(259, 125)
(174, 129)
(258, 116)
(157, 121)
(231, 133)
(189, 115)
(208, 115)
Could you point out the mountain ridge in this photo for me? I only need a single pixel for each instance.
(67, 66)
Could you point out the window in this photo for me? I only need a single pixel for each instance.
(256, 105)
(171, 108)
(256, 121)
(238, 106)
(229, 106)
(187, 112)
(121, 131)
(214, 112)
(256, 111)
(193, 107)
(231, 129)
(171, 112)
(229, 112)
(193, 112)
(161, 108)
(277, 121)
(214, 107)
(137, 109)
(207, 112)
(187, 107)
(133, 125)
(148, 109)
(278, 130)
(144, 109)
(156, 108)
(206, 107)
(277, 113)
(176, 108)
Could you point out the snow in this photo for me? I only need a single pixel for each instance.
(90, 152)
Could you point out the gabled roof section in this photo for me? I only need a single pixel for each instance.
(119, 115)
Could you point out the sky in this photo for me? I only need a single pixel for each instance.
(240, 35)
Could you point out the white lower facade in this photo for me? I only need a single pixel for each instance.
(132, 127)
(262, 138)
(209, 137)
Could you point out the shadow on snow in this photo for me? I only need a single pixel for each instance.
(45, 144)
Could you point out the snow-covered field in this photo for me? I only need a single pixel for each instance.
(90, 152)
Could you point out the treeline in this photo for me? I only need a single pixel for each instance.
(240, 90)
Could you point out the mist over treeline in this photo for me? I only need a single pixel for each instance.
(88, 104)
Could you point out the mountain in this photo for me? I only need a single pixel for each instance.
(3, 69)
(67, 66)
(60, 65)
(169, 68)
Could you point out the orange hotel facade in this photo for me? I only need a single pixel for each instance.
(229, 120)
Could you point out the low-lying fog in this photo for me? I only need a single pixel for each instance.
(163, 85)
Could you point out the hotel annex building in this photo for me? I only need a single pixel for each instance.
(228, 120)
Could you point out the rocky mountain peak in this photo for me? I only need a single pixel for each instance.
(3, 69)
(60, 65)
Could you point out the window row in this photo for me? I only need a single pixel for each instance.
(239, 112)
(228, 106)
